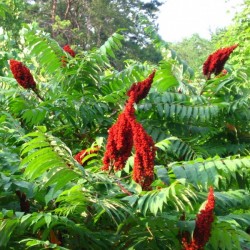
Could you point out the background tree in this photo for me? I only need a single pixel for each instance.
(11, 19)
(194, 51)
(88, 23)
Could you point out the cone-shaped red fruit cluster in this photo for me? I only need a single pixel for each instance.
(22, 74)
(216, 61)
(119, 144)
(126, 133)
(68, 49)
(141, 89)
(203, 226)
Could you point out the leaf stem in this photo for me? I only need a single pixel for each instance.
(35, 90)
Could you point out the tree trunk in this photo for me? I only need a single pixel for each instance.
(69, 2)
(53, 16)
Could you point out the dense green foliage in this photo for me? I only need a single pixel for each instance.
(200, 128)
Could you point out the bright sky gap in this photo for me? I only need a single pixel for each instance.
(179, 19)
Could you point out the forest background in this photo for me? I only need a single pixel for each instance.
(54, 192)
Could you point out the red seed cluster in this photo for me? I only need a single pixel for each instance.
(68, 49)
(141, 89)
(125, 134)
(24, 203)
(22, 74)
(144, 158)
(216, 61)
(80, 156)
(119, 145)
(203, 225)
